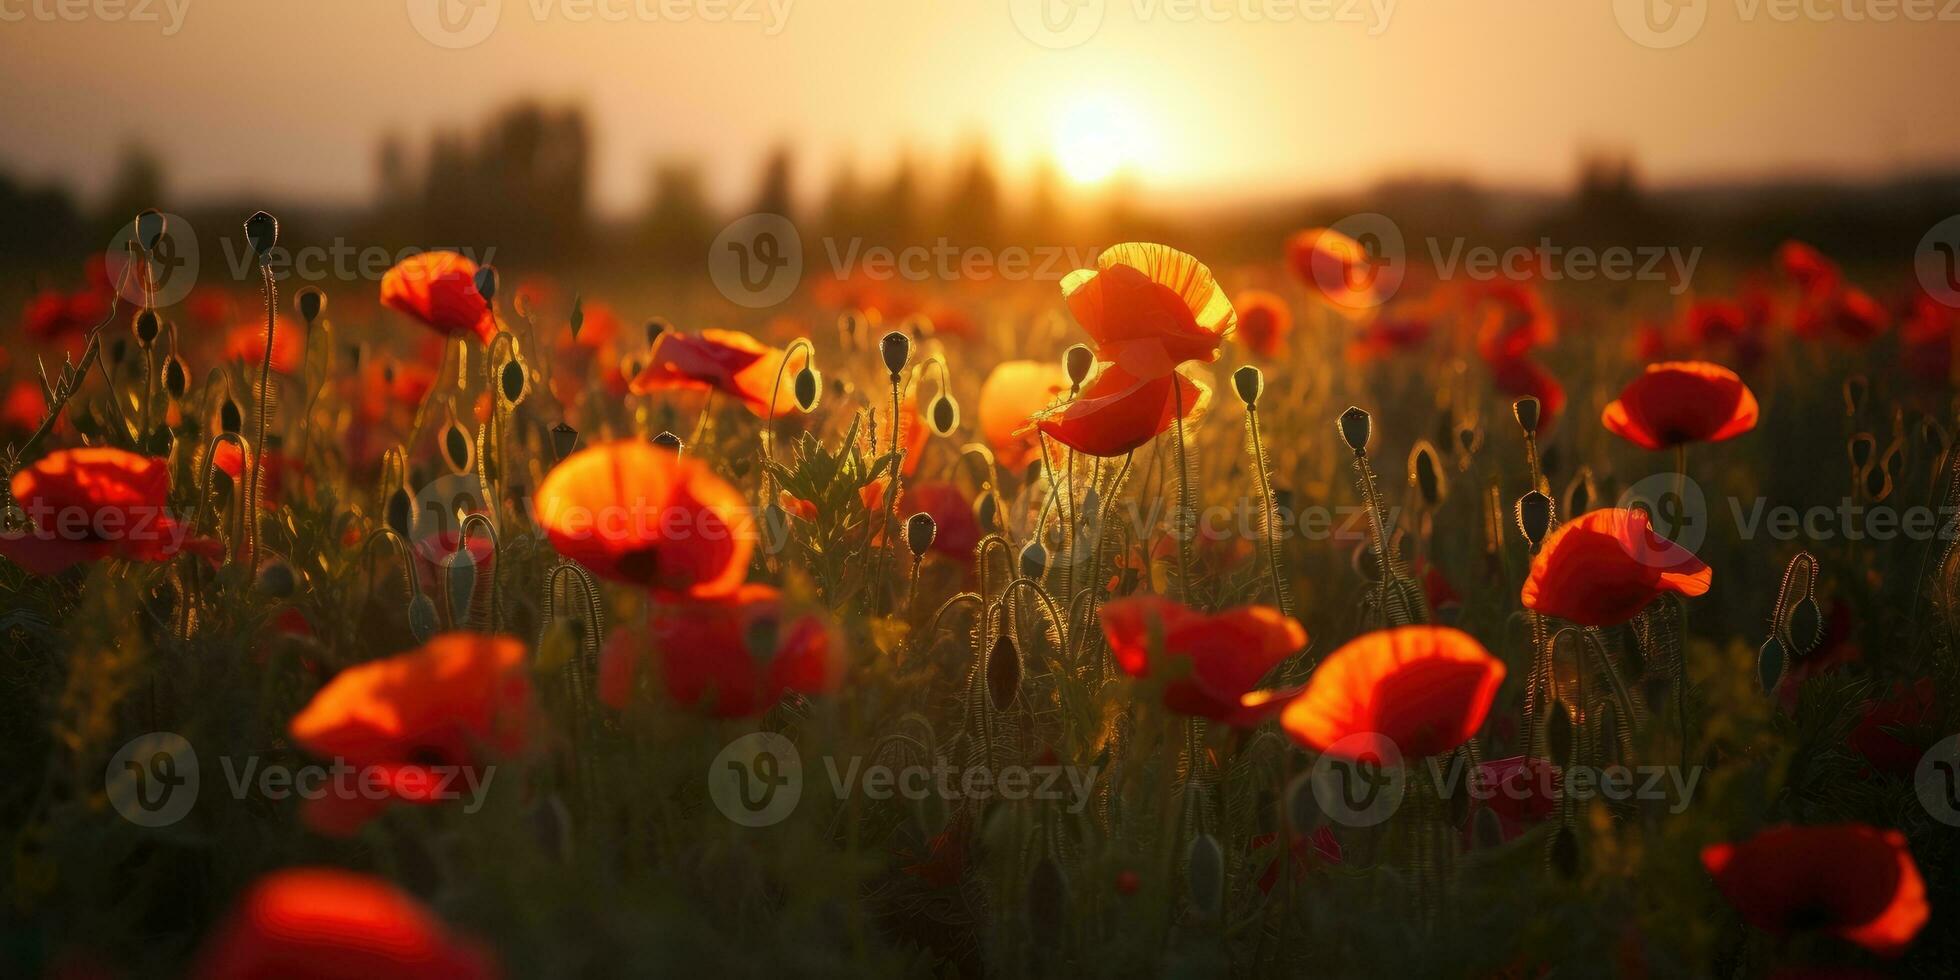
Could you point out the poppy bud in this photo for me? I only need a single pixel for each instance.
(1425, 475)
(400, 512)
(920, 529)
(275, 579)
(146, 327)
(1078, 361)
(945, 415)
(577, 319)
(513, 381)
(486, 283)
(668, 440)
(150, 226)
(310, 302)
(564, 439)
(456, 448)
(262, 232)
(986, 512)
(1034, 560)
(230, 417)
(1249, 381)
(1769, 664)
(655, 327)
(1526, 410)
(1355, 424)
(1534, 517)
(897, 349)
(422, 618)
(176, 377)
(1805, 626)
(809, 387)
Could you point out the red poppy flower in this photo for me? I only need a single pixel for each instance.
(1338, 269)
(24, 407)
(1603, 567)
(1808, 268)
(1848, 311)
(728, 361)
(1013, 392)
(1228, 653)
(952, 512)
(1416, 690)
(1149, 308)
(730, 657)
(1521, 791)
(246, 342)
(1118, 411)
(439, 289)
(1265, 321)
(336, 925)
(1516, 321)
(82, 505)
(633, 512)
(1926, 339)
(408, 723)
(1520, 376)
(57, 317)
(1678, 402)
(1855, 882)
(1387, 335)
(1894, 734)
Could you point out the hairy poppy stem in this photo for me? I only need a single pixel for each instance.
(1180, 519)
(1271, 537)
(258, 444)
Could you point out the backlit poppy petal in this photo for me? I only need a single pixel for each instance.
(336, 925)
(1117, 411)
(1013, 392)
(1422, 689)
(1678, 402)
(92, 503)
(1603, 567)
(1228, 653)
(1852, 881)
(439, 289)
(727, 361)
(1149, 308)
(633, 512)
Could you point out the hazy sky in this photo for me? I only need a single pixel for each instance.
(288, 96)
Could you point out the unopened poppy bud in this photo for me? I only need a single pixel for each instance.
(564, 439)
(486, 283)
(146, 327)
(275, 579)
(456, 447)
(1078, 361)
(1527, 410)
(576, 321)
(513, 381)
(945, 414)
(310, 302)
(655, 327)
(920, 529)
(230, 417)
(897, 350)
(1034, 560)
(668, 440)
(150, 226)
(1425, 475)
(1534, 517)
(986, 512)
(1355, 425)
(400, 511)
(1250, 382)
(176, 377)
(262, 233)
(809, 387)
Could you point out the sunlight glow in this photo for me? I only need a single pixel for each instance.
(1095, 137)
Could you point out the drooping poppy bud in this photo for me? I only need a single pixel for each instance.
(150, 226)
(1034, 560)
(668, 441)
(945, 414)
(1425, 474)
(655, 327)
(564, 439)
(809, 387)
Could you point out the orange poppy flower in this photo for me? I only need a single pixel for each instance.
(407, 722)
(1603, 567)
(1013, 392)
(1678, 402)
(1855, 882)
(1118, 411)
(727, 361)
(1337, 269)
(952, 513)
(83, 505)
(324, 922)
(439, 289)
(23, 407)
(633, 512)
(1149, 308)
(1264, 322)
(246, 342)
(1228, 653)
(1419, 690)
(729, 657)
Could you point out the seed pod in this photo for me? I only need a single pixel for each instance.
(275, 579)
(176, 377)
(310, 302)
(1426, 474)
(486, 283)
(146, 326)
(1355, 425)
(668, 440)
(459, 570)
(262, 232)
(986, 512)
(457, 450)
(920, 529)
(897, 350)
(809, 387)
(945, 414)
(655, 327)
(1034, 560)
(1534, 517)
(1769, 664)
(1526, 411)
(400, 512)
(231, 418)
(513, 381)
(150, 226)
(564, 439)
(1805, 626)
(1249, 382)
(1003, 672)
(1078, 361)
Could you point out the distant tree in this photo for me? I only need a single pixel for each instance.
(679, 225)
(137, 184)
(972, 212)
(773, 196)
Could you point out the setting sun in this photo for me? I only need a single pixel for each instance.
(1097, 136)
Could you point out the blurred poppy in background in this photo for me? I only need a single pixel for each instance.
(730, 657)
(633, 512)
(1855, 882)
(336, 925)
